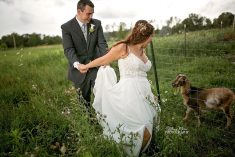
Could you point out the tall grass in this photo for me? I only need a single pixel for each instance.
(208, 61)
(40, 115)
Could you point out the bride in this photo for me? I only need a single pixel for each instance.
(127, 108)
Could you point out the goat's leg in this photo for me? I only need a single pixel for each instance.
(198, 111)
(227, 112)
(189, 109)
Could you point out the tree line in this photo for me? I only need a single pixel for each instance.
(193, 22)
(27, 40)
(174, 25)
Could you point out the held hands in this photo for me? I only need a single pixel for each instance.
(83, 68)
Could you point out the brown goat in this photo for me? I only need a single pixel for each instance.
(194, 98)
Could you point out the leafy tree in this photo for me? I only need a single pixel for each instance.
(107, 28)
(173, 21)
(166, 30)
(121, 30)
(48, 40)
(3, 46)
(8, 40)
(208, 23)
(226, 18)
(193, 22)
(178, 28)
(27, 40)
(34, 39)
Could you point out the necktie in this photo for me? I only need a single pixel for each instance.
(84, 30)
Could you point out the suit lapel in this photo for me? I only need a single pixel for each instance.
(88, 34)
(78, 30)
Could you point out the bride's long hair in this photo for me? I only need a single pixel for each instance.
(140, 33)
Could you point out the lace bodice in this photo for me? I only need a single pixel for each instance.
(132, 66)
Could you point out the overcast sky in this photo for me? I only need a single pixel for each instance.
(46, 16)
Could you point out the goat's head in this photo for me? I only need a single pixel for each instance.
(179, 81)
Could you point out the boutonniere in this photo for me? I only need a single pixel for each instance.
(92, 28)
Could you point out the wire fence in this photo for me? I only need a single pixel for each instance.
(38, 77)
(204, 68)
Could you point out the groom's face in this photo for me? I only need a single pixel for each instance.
(86, 14)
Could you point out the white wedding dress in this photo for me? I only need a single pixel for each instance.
(127, 107)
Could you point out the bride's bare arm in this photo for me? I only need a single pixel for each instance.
(114, 54)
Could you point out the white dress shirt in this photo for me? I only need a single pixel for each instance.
(76, 64)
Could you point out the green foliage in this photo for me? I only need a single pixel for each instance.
(208, 62)
(196, 22)
(224, 20)
(3, 46)
(28, 40)
(40, 115)
(212, 42)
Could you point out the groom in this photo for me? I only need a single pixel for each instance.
(83, 41)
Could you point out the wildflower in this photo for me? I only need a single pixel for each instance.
(179, 131)
(34, 86)
(164, 100)
(63, 149)
(66, 111)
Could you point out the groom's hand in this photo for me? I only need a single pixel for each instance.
(82, 68)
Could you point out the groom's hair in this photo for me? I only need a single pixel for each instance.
(82, 3)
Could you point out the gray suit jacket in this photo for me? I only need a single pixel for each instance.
(77, 49)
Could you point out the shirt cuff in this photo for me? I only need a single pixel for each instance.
(75, 64)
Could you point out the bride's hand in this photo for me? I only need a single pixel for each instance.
(83, 68)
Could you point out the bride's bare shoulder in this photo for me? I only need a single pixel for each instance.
(123, 49)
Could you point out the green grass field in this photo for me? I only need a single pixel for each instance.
(40, 116)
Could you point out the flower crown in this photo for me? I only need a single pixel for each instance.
(142, 27)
